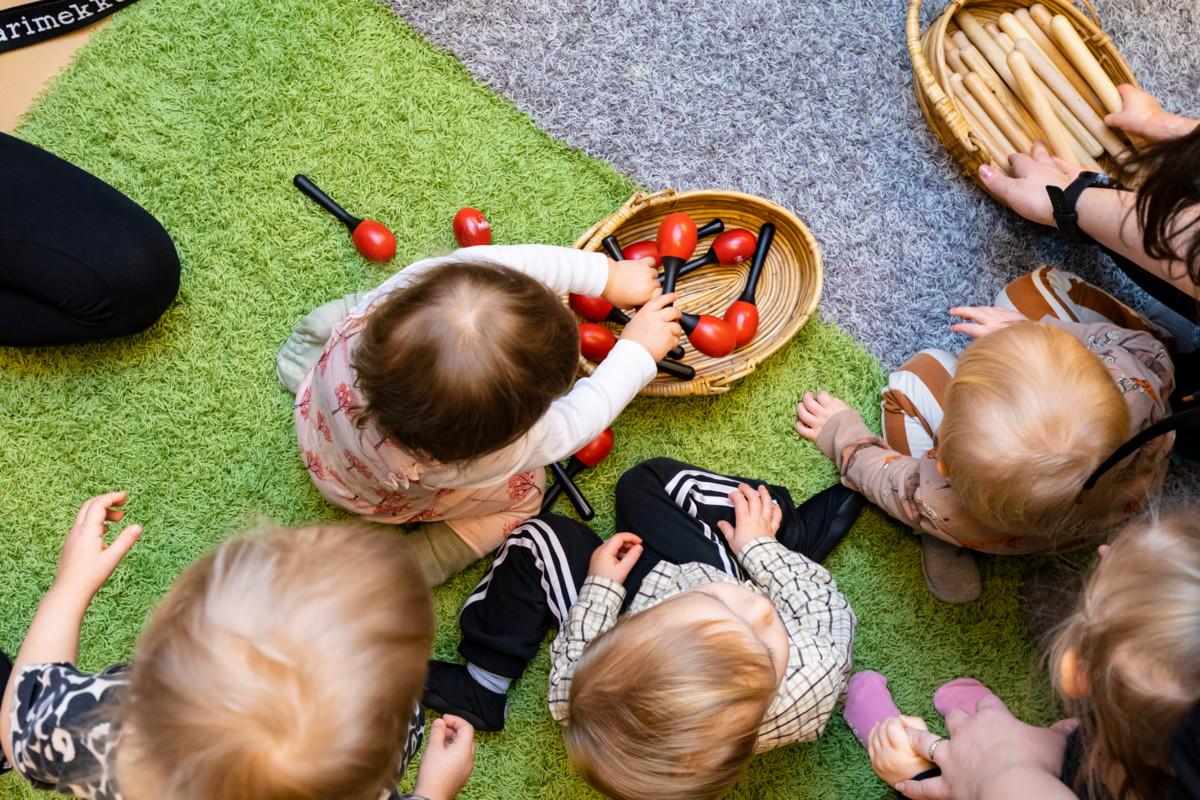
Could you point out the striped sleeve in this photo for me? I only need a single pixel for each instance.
(594, 612)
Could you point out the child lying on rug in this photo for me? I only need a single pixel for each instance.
(287, 664)
(989, 452)
(681, 651)
(442, 394)
(1125, 665)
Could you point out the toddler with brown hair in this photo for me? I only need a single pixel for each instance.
(286, 665)
(710, 634)
(440, 396)
(990, 451)
(1126, 664)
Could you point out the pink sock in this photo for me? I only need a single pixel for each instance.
(868, 701)
(964, 693)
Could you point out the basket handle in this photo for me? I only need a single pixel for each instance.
(922, 73)
(636, 200)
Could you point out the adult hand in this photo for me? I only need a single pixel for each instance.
(1025, 192)
(991, 755)
(616, 557)
(755, 515)
(983, 319)
(655, 326)
(814, 411)
(448, 760)
(631, 283)
(86, 560)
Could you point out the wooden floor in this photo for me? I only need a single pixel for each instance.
(26, 71)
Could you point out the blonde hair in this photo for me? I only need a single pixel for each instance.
(1134, 638)
(665, 710)
(283, 666)
(1029, 415)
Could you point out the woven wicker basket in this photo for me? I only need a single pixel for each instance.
(788, 290)
(931, 73)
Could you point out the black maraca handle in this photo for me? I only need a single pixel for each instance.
(765, 235)
(711, 229)
(326, 202)
(613, 248)
(574, 467)
(573, 494)
(683, 372)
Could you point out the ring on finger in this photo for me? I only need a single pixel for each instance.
(933, 747)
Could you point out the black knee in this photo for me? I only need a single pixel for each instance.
(144, 280)
(650, 475)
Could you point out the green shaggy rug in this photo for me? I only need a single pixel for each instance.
(202, 110)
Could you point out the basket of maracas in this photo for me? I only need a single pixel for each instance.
(994, 76)
(748, 273)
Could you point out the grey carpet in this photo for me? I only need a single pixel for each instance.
(809, 104)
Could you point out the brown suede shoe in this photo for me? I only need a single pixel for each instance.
(950, 572)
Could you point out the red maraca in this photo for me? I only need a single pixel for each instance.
(471, 228)
(648, 249)
(676, 241)
(710, 335)
(370, 238)
(597, 341)
(613, 248)
(743, 313)
(588, 456)
(732, 247)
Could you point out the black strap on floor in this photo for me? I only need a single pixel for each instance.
(31, 23)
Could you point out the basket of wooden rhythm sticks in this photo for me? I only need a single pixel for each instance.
(748, 277)
(994, 76)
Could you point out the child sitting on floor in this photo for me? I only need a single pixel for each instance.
(990, 452)
(1126, 663)
(682, 651)
(443, 393)
(283, 666)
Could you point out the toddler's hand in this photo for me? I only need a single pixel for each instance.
(449, 757)
(1025, 192)
(631, 283)
(983, 319)
(655, 326)
(814, 411)
(616, 557)
(86, 560)
(892, 754)
(755, 515)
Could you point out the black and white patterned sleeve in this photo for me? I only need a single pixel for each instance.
(61, 739)
(412, 743)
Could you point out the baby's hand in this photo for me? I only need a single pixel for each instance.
(655, 326)
(814, 411)
(631, 283)
(983, 319)
(755, 515)
(448, 760)
(86, 560)
(892, 754)
(616, 557)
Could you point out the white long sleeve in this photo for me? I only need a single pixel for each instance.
(563, 269)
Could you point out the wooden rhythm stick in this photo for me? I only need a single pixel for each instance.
(1072, 45)
(982, 125)
(986, 45)
(1058, 84)
(954, 59)
(1086, 145)
(1051, 51)
(1029, 87)
(975, 61)
(997, 112)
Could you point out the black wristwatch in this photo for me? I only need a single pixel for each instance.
(1063, 202)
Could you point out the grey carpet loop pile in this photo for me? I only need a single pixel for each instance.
(809, 104)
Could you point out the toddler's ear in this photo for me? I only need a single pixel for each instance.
(1071, 676)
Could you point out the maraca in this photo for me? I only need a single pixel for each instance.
(597, 341)
(471, 228)
(371, 239)
(732, 247)
(710, 335)
(648, 249)
(676, 241)
(588, 456)
(613, 248)
(742, 315)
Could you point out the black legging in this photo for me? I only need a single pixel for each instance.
(79, 261)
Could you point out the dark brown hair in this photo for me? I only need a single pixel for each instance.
(464, 360)
(1170, 186)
